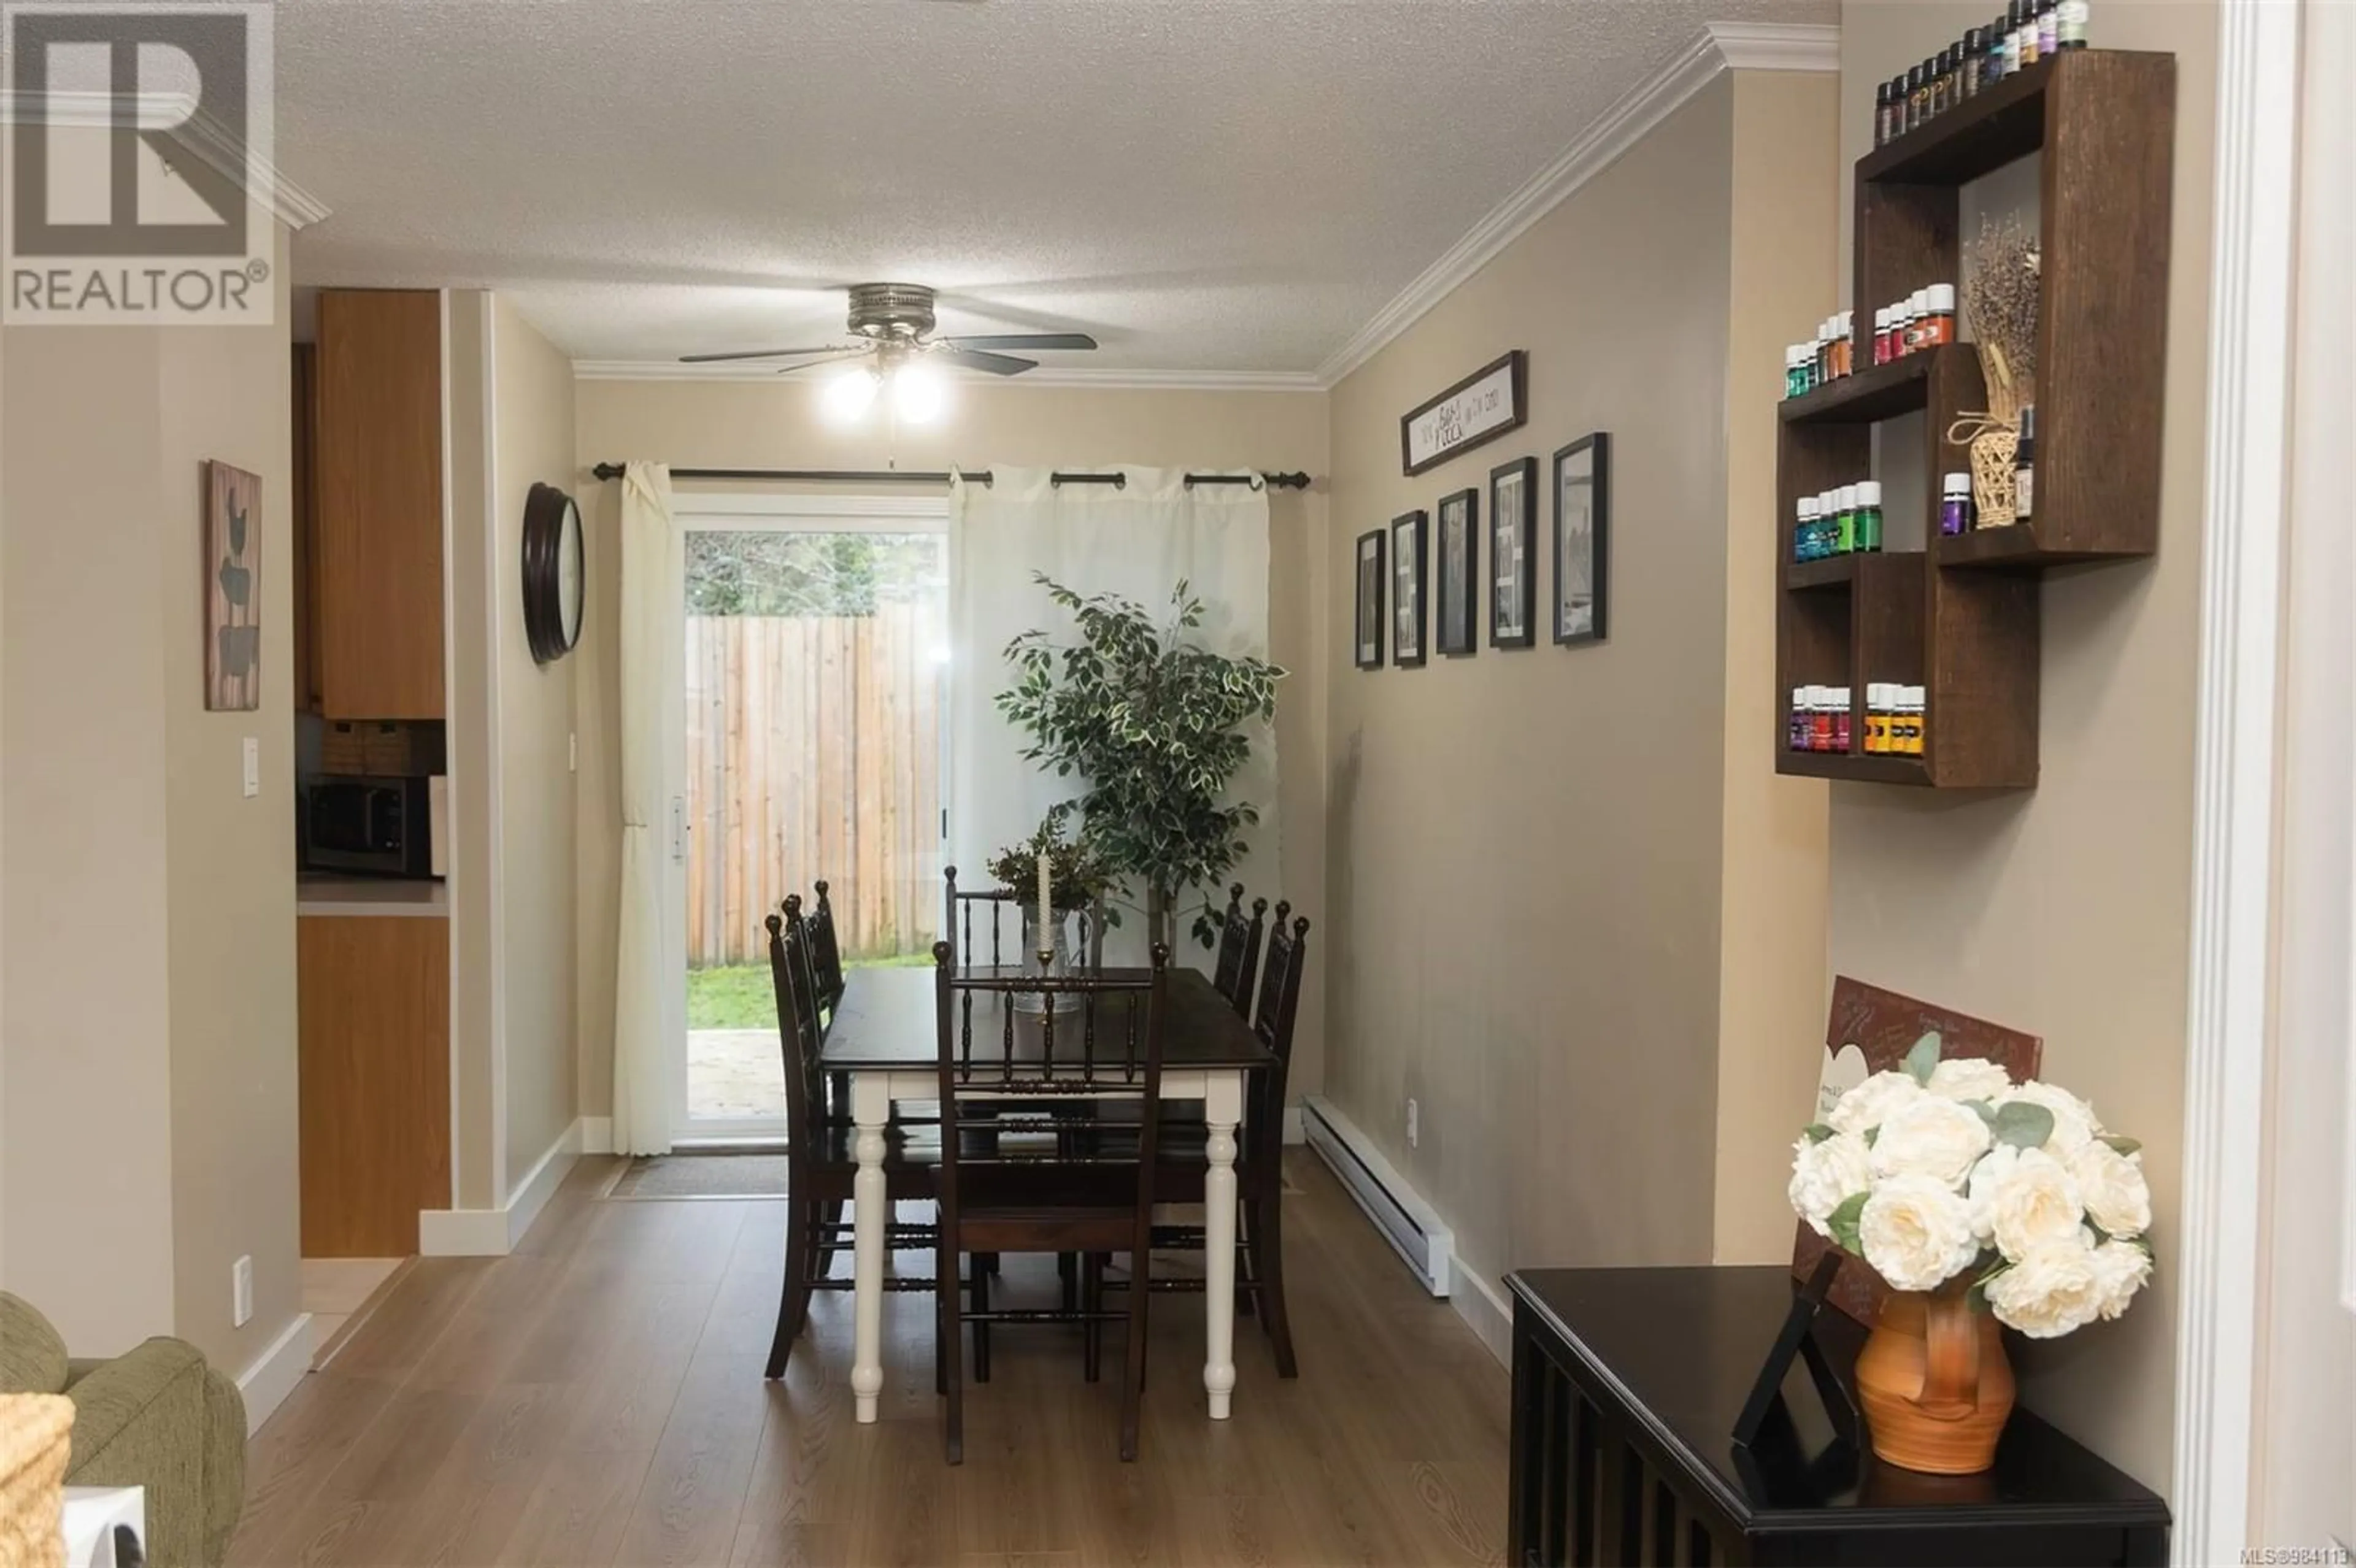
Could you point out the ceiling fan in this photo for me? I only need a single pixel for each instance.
(895, 322)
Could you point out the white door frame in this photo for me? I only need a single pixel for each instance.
(777, 512)
(2229, 1008)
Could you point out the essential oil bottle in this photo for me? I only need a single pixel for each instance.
(1956, 505)
(1939, 315)
(2024, 470)
(1869, 515)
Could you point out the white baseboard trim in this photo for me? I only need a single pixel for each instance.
(540, 1183)
(1484, 1308)
(596, 1135)
(494, 1232)
(1412, 1227)
(276, 1372)
(462, 1233)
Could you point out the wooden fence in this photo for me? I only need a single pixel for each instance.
(813, 750)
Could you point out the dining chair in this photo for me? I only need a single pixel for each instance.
(957, 921)
(821, 1170)
(958, 905)
(1184, 1160)
(956, 928)
(1239, 942)
(826, 952)
(1094, 1033)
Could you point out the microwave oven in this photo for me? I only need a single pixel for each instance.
(374, 826)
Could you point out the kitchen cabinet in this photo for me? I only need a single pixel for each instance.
(304, 384)
(374, 553)
(372, 1007)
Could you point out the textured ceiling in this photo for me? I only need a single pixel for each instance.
(1205, 184)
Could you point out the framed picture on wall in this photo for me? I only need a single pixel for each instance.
(1408, 543)
(1513, 554)
(232, 589)
(1582, 533)
(1370, 600)
(1459, 573)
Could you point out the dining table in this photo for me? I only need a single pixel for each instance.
(884, 1038)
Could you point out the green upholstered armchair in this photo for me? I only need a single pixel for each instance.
(155, 1417)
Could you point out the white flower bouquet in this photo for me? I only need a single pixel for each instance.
(1949, 1167)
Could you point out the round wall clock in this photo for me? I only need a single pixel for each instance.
(555, 572)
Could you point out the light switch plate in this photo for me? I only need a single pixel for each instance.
(1413, 1130)
(252, 766)
(241, 1287)
(573, 753)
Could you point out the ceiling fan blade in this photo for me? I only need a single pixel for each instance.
(1024, 340)
(996, 364)
(763, 354)
(839, 354)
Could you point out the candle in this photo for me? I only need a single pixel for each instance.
(1046, 905)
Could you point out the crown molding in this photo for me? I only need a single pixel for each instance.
(1171, 381)
(1777, 46)
(1044, 377)
(1719, 47)
(200, 135)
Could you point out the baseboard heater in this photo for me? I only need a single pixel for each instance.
(1406, 1220)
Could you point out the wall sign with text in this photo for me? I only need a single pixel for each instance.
(1482, 407)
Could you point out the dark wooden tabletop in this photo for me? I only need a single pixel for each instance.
(886, 1020)
(1682, 1347)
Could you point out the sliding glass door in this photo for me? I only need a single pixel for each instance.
(816, 710)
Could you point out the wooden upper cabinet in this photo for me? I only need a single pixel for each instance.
(305, 382)
(377, 619)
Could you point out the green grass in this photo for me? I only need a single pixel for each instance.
(740, 996)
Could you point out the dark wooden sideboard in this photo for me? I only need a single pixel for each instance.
(1626, 1386)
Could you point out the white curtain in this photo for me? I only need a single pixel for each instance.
(1139, 538)
(649, 1002)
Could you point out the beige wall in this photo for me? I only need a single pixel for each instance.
(1536, 856)
(762, 424)
(147, 921)
(477, 1117)
(85, 909)
(2065, 909)
(225, 393)
(515, 936)
(1770, 1002)
(532, 425)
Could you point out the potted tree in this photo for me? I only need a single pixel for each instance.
(1152, 723)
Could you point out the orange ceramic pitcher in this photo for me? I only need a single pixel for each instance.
(1934, 1382)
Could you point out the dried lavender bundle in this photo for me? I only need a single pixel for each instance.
(2002, 294)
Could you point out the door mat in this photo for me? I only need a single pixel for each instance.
(674, 1175)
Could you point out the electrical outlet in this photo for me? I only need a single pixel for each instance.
(252, 766)
(1411, 1127)
(241, 1288)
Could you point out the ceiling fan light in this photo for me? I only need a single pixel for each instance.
(919, 393)
(849, 395)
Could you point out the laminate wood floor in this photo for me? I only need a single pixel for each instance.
(596, 1398)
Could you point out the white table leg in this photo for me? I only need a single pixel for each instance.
(1222, 1109)
(871, 1109)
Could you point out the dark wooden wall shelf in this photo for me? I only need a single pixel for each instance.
(1961, 617)
(1876, 392)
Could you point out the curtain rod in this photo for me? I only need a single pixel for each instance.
(910, 477)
